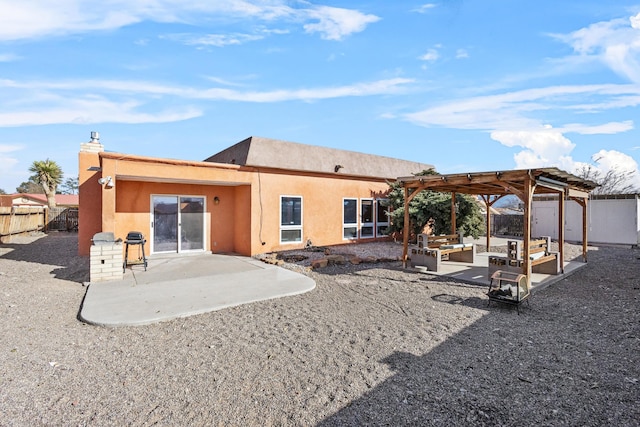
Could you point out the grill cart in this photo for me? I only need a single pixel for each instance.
(135, 238)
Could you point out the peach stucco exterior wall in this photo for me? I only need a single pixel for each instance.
(134, 207)
(245, 221)
(322, 205)
(127, 205)
(89, 200)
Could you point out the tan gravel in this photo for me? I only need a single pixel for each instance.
(372, 345)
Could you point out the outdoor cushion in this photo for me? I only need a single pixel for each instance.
(536, 256)
(457, 246)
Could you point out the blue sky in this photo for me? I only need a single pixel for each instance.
(464, 85)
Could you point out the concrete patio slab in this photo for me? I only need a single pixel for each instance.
(182, 286)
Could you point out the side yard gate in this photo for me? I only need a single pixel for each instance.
(62, 219)
(507, 225)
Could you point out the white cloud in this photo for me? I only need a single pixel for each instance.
(517, 119)
(336, 23)
(37, 18)
(90, 110)
(217, 40)
(380, 87)
(42, 102)
(133, 87)
(26, 19)
(431, 55)
(549, 147)
(536, 121)
(615, 43)
(8, 148)
(635, 21)
(612, 160)
(461, 54)
(8, 57)
(545, 147)
(424, 8)
(526, 109)
(602, 129)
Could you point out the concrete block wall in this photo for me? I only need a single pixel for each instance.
(106, 262)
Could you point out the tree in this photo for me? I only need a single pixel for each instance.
(49, 175)
(70, 186)
(30, 187)
(615, 181)
(434, 208)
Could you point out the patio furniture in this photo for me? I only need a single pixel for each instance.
(542, 259)
(134, 238)
(431, 250)
(508, 288)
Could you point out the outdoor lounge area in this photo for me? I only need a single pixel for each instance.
(532, 256)
(479, 271)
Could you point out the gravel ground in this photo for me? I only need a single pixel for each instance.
(371, 345)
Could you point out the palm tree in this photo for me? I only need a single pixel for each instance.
(48, 174)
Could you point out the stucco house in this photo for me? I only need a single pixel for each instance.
(257, 196)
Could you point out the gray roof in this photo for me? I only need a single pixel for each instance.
(272, 153)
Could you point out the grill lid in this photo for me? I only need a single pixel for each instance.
(103, 238)
(135, 236)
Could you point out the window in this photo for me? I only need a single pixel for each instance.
(350, 219)
(366, 218)
(290, 219)
(382, 217)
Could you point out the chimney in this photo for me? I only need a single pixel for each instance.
(95, 137)
(94, 145)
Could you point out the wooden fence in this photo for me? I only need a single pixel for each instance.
(19, 220)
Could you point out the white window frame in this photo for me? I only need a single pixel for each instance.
(345, 224)
(363, 224)
(379, 223)
(294, 226)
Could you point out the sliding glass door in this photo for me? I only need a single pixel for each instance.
(177, 223)
(191, 224)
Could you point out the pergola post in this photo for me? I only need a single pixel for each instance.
(453, 213)
(405, 229)
(584, 229)
(583, 202)
(486, 202)
(529, 187)
(561, 225)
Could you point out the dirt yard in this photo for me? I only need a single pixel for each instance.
(373, 344)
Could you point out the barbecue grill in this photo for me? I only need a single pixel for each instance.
(103, 238)
(134, 238)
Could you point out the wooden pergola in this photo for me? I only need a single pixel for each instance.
(492, 186)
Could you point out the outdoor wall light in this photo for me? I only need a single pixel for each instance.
(216, 200)
(106, 180)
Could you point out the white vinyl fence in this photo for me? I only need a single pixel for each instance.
(611, 219)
